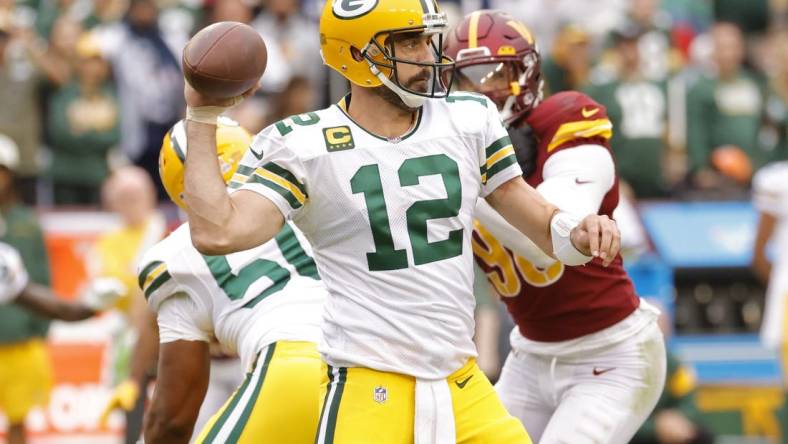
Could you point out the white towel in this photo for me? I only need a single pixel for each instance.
(434, 421)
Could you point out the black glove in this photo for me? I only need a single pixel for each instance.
(525, 147)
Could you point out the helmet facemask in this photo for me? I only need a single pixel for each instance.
(514, 84)
(383, 60)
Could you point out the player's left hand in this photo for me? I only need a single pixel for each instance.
(598, 236)
(102, 293)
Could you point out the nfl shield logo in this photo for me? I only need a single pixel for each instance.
(380, 394)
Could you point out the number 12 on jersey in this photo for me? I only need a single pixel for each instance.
(367, 181)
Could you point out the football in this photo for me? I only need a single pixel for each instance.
(224, 60)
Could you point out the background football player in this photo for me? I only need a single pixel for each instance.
(20, 393)
(264, 304)
(384, 186)
(588, 359)
(16, 288)
(770, 196)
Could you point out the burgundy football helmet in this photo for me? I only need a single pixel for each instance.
(497, 56)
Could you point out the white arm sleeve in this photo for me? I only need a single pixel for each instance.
(178, 320)
(511, 237)
(577, 179)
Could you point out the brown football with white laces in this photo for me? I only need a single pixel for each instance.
(224, 60)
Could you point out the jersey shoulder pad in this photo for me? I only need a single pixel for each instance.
(154, 273)
(570, 118)
(467, 111)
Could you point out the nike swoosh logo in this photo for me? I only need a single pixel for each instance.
(582, 182)
(598, 371)
(588, 113)
(254, 153)
(461, 384)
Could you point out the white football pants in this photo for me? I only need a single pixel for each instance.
(598, 397)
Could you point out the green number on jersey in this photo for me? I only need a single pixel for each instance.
(420, 212)
(235, 285)
(385, 257)
(284, 129)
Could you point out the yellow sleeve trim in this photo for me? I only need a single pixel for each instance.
(156, 272)
(279, 180)
(503, 152)
(582, 129)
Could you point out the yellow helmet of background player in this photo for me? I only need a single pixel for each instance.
(354, 40)
(231, 144)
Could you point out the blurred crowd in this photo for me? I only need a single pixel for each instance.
(698, 90)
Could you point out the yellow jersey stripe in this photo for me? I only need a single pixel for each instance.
(282, 182)
(156, 272)
(500, 154)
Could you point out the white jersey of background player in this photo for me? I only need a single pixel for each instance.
(770, 196)
(247, 300)
(265, 304)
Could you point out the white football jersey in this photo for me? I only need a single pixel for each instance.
(13, 274)
(770, 196)
(390, 222)
(246, 300)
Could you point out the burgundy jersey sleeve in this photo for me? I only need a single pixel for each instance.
(568, 119)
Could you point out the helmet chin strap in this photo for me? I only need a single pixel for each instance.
(409, 99)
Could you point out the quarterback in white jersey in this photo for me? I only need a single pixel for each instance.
(384, 186)
(265, 304)
(770, 196)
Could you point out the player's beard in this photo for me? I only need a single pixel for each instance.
(392, 98)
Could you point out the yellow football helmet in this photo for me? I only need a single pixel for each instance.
(355, 41)
(231, 144)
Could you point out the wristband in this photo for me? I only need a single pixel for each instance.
(204, 114)
(561, 226)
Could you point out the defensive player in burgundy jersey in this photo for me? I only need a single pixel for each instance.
(588, 360)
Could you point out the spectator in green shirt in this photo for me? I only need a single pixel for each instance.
(569, 63)
(774, 135)
(724, 109)
(84, 124)
(25, 376)
(637, 107)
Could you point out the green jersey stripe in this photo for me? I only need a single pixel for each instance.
(285, 174)
(235, 435)
(497, 145)
(158, 282)
(294, 253)
(334, 410)
(245, 170)
(289, 197)
(501, 165)
(146, 271)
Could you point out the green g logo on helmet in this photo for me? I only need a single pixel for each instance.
(348, 9)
